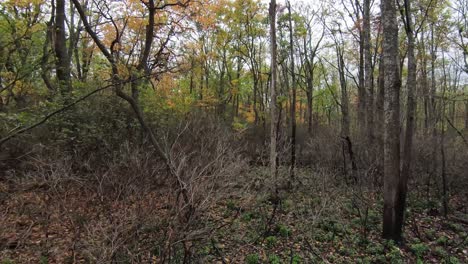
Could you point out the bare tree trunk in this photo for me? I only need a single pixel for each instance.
(45, 74)
(368, 72)
(293, 101)
(410, 112)
(379, 105)
(273, 106)
(61, 53)
(309, 75)
(424, 91)
(362, 97)
(466, 115)
(309, 82)
(392, 198)
(344, 94)
(432, 101)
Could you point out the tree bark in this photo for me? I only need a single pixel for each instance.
(368, 72)
(392, 198)
(273, 106)
(410, 112)
(379, 105)
(466, 116)
(45, 74)
(293, 101)
(61, 53)
(362, 100)
(344, 94)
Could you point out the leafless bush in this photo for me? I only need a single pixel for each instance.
(132, 170)
(322, 184)
(109, 200)
(117, 236)
(323, 149)
(204, 160)
(51, 172)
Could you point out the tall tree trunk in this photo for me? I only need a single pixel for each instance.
(255, 93)
(45, 73)
(309, 74)
(410, 112)
(368, 72)
(361, 115)
(293, 101)
(273, 106)
(392, 198)
(466, 115)
(432, 102)
(61, 53)
(380, 120)
(424, 83)
(442, 144)
(344, 94)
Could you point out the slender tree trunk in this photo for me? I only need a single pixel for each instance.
(200, 92)
(45, 73)
(424, 91)
(379, 106)
(442, 144)
(362, 97)
(192, 66)
(310, 87)
(255, 93)
(344, 94)
(61, 53)
(410, 113)
(466, 115)
(368, 73)
(392, 198)
(293, 101)
(432, 102)
(273, 106)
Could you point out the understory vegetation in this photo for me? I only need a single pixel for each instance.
(116, 201)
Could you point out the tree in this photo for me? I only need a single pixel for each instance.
(407, 18)
(393, 196)
(273, 106)
(21, 53)
(355, 15)
(339, 49)
(309, 64)
(60, 47)
(137, 64)
(461, 7)
(368, 71)
(293, 100)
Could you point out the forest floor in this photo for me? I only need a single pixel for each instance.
(319, 222)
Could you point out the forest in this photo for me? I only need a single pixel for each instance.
(233, 131)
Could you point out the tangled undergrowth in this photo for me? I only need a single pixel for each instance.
(63, 220)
